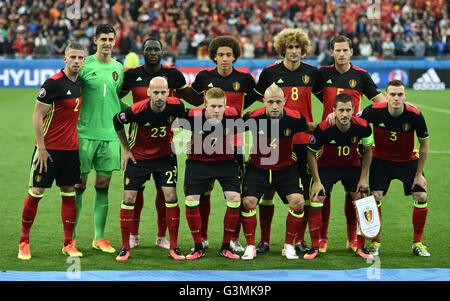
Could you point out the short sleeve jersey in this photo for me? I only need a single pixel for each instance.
(297, 86)
(335, 148)
(272, 138)
(356, 82)
(394, 136)
(137, 81)
(150, 133)
(60, 123)
(102, 83)
(238, 86)
(211, 142)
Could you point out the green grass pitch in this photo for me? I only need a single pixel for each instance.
(16, 147)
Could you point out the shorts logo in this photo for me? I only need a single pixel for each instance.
(42, 93)
(38, 178)
(352, 83)
(123, 117)
(305, 79)
(406, 127)
(236, 86)
(368, 215)
(127, 181)
(115, 76)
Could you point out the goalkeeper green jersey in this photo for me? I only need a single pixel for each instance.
(102, 83)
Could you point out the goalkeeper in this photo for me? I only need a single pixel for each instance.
(99, 147)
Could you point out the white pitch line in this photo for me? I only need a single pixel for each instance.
(433, 109)
(439, 152)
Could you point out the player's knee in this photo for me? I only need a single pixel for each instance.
(420, 197)
(102, 182)
(296, 201)
(233, 197)
(249, 202)
(37, 191)
(378, 195)
(171, 197)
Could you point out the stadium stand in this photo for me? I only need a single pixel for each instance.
(397, 28)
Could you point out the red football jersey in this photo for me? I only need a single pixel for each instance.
(297, 86)
(211, 142)
(356, 82)
(151, 133)
(336, 148)
(272, 138)
(60, 123)
(394, 136)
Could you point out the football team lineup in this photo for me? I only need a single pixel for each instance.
(245, 146)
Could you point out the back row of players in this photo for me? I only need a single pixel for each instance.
(286, 88)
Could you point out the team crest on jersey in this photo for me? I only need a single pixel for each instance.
(305, 79)
(354, 140)
(42, 93)
(312, 140)
(406, 127)
(236, 86)
(115, 76)
(368, 215)
(287, 132)
(352, 83)
(170, 119)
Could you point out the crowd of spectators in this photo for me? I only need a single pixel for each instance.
(382, 29)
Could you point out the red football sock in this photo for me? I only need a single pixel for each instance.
(265, 221)
(138, 205)
(126, 223)
(350, 215)
(68, 216)
(325, 218)
(301, 232)
(293, 222)
(194, 222)
(205, 209)
(419, 218)
(173, 222)
(237, 231)
(160, 205)
(315, 221)
(229, 223)
(249, 221)
(361, 241)
(30, 207)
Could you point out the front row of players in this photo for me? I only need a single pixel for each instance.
(333, 155)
